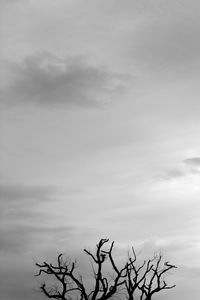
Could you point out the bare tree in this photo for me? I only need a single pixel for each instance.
(66, 281)
(106, 287)
(133, 279)
(70, 284)
(148, 278)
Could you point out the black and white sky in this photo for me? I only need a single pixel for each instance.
(99, 133)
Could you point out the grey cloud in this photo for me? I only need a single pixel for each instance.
(169, 39)
(173, 246)
(173, 174)
(9, 2)
(20, 247)
(18, 283)
(19, 193)
(23, 224)
(17, 255)
(194, 161)
(20, 238)
(187, 167)
(192, 165)
(45, 79)
(21, 203)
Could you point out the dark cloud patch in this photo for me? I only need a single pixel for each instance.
(174, 174)
(194, 161)
(47, 80)
(188, 166)
(192, 165)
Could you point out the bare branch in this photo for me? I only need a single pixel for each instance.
(145, 279)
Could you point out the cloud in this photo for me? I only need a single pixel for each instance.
(18, 238)
(17, 281)
(168, 38)
(173, 174)
(189, 166)
(9, 2)
(27, 232)
(19, 193)
(192, 165)
(26, 219)
(47, 80)
(21, 203)
(194, 161)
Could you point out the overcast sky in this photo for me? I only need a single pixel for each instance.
(99, 133)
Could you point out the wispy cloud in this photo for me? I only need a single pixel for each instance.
(172, 174)
(187, 167)
(47, 80)
(16, 193)
(25, 220)
(168, 38)
(26, 229)
(22, 238)
(193, 161)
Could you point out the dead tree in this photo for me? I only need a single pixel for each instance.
(135, 275)
(136, 280)
(148, 278)
(70, 285)
(66, 281)
(106, 287)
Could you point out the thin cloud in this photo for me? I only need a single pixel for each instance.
(10, 2)
(168, 39)
(20, 247)
(22, 202)
(187, 167)
(26, 221)
(15, 193)
(20, 238)
(173, 174)
(17, 282)
(192, 165)
(194, 161)
(47, 80)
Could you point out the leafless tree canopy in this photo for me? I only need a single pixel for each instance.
(148, 278)
(132, 280)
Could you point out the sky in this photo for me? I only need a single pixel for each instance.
(99, 134)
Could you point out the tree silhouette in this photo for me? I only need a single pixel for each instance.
(148, 278)
(62, 281)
